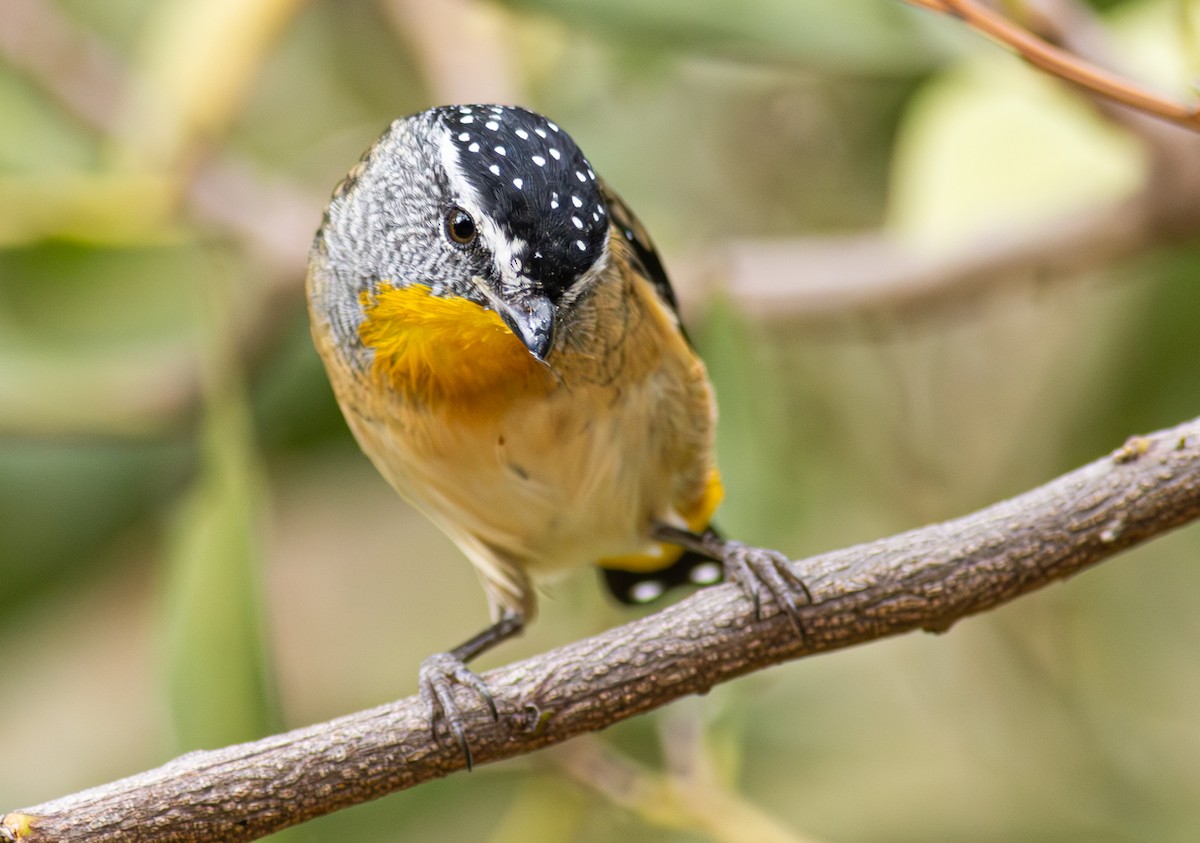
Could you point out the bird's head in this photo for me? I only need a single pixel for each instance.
(467, 220)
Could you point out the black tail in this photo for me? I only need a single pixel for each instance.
(641, 587)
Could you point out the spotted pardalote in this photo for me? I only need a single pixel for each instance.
(506, 348)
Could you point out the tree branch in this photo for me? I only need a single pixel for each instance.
(924, 579)
(822, 277)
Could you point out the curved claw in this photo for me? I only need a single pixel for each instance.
(755, 568)
(438, 673)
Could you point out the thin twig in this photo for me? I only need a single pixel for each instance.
(668, 801)
(464, 49)
(924, 579)
(823, 277)
(1064, 64)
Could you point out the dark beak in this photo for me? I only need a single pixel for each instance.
(530, 316)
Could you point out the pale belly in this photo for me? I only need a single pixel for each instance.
(556, 483)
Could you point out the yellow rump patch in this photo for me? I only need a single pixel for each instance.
(667, 555)
(447, 351)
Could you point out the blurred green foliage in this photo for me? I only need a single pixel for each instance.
(192, 550)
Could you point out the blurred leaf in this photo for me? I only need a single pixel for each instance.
(1159, 42)
(293, 404)
(96, 341)
(83, 301)
(100, 208)
(853, 36)
(220, 683)
(750, 428)
(35, 135)
(545, 809)
(61, 503)
(1157, 377)
(92, 345)
(993, 142)
(188, 94)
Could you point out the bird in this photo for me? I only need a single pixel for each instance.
(503, 341)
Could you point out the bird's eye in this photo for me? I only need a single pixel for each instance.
(460, 227)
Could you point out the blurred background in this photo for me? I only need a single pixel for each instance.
(924, 278)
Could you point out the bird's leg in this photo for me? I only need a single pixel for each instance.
(752, 568)
(442, 670)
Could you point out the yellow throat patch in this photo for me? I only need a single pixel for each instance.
(447, 352)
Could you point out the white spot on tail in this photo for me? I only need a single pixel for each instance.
(647, 591)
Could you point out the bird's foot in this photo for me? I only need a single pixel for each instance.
(438, 674)
(756, 570)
